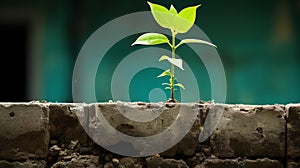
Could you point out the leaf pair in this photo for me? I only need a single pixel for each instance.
(171, 84)
(177, 22)
(157, 38)
(177, 84)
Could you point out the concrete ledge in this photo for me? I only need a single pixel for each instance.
(253, 131)
(35, 134)
(293, 130)
(67, 122)
(165, 115)
(24, 131)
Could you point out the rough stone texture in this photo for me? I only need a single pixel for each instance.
(126, 162)
(265, 163)
(293, 131)
(235, 163)
(186, 146)
(293, 164)
(67, 122)
(244, 131)
(26, 164)
(143, 120)
(219, 163)
(156, 161)
(83, 161)
(129, 162)
(23, 131)
(196, 159)
(255, 131)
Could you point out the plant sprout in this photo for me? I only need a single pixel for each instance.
(176, 22)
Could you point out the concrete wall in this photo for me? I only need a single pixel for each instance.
(38, 135)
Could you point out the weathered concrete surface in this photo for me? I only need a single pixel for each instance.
(255, 131)
(242, 163)
(25, 164)
(23, 131)
(67, 122)
(244, 131)
(293, 130)
(156, 118)
(189, 145)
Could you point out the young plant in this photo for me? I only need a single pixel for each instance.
(176, 22)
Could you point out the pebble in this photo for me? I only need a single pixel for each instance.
(206, 151)
(63, 153)
(73, 144)
(55, 148)
(67, 158)
(115, 161)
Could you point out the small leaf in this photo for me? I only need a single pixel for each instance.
(186, 19)
(179, 85)
(165, 73)
(151, 39)
(168, 84)
(164, 57)
(171, 82)
(195, 41)
(173, 10)
(167, 88)
(161, 15)
(172, 17)
(176, 62)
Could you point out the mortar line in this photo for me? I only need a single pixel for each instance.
(286, 137)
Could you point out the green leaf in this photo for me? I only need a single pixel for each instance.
(171, 82)
(165, 73)
(161, 15)
(176, 62)
(185, 19)
(172, 17)
(168, 84)
(151, 39)
(179, 85)
(173, 10)
(164, 57)
(167, 88)
(195, 41)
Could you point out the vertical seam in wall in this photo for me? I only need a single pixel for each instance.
(286, 138)
(88, 119)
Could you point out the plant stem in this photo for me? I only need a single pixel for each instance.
(172, 67)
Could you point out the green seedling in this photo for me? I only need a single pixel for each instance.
(176, 22)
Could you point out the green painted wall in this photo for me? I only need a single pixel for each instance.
(258, 42)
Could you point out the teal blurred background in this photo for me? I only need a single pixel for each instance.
(258, 42)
